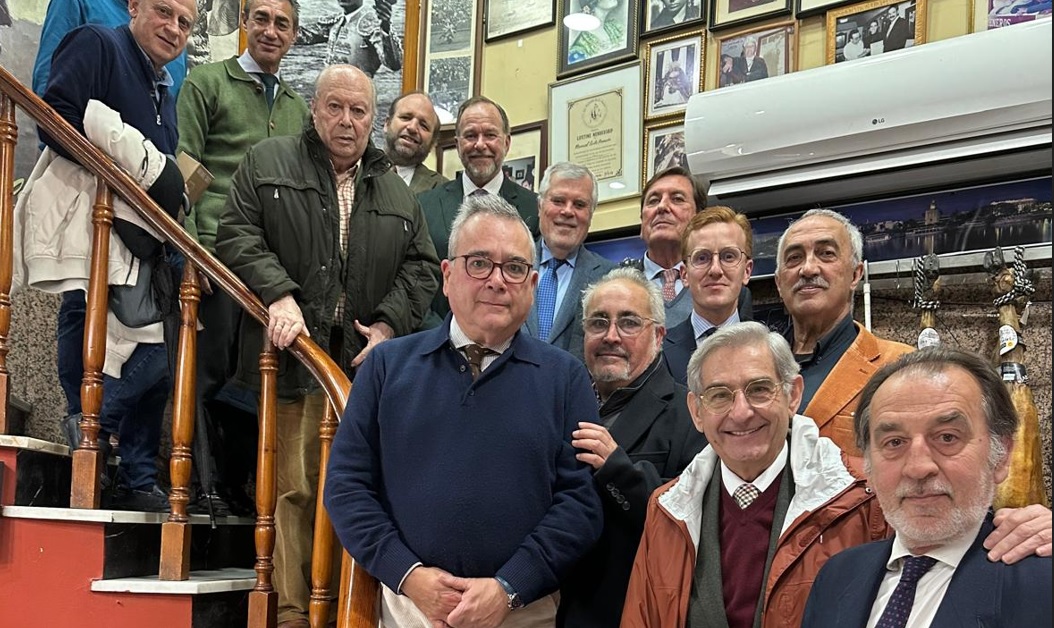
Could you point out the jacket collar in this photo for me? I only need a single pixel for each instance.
(373, 162)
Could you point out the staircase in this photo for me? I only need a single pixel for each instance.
(64, 566)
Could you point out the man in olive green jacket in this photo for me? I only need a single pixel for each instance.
(336, 245)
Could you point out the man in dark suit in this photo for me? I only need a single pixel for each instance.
(936, 428)
(750, 64)
(483, 139)
(646, 436)
(568, 197)
(670, 12)
(717, 248)
(410, 132)
(897, 32)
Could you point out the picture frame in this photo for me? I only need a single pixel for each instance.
(808, 8)
(614, 41)
(595, 121)
(999, 13)
(673, 72)
(451, 57)
(663, 147)
(524, 164)
(660, 16)
(775, 49)
(509, 18)
(730, 13)
(906, 30)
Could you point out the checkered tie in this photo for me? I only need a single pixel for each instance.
(669, 284)
(898, 608)
(745, 495)
(475, 355)
(547, 298)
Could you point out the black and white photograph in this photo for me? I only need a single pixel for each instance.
(450, 25)
(673, 73)
(662, 15)
(451, 59)
(729, 13)
(607, 33)
(755, 55)
(663, 148)
(871, 28)
(508, 18)
(449, 83)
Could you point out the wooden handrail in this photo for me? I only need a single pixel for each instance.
(360, 608)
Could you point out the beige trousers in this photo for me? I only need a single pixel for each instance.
(397, 611)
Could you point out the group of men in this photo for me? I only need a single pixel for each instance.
(533, 455)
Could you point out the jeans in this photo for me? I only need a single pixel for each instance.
(132, 407)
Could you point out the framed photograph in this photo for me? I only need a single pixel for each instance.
(450, 72)
(595, 121)
(526, 161)
(612, 40)
(871, 28)
(806, 8)
(664, 15)
(1000, 13)
(663, 148)
(673, 73)
(728, 13)
(508, 18)
(757, 54)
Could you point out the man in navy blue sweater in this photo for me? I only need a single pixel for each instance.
(452, 477)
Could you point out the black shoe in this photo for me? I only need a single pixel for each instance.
(200, 506)
(153, 500)
(71, 426)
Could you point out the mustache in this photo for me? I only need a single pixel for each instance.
(919, 489)
(811, 282)
(610, 349)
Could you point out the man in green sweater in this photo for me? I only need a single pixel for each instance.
(224, 109)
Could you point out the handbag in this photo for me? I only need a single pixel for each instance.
(151, 298)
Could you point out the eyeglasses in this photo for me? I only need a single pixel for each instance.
(729, 257)
(471, 137)
(628, 326)
(480, 267)
(720, 399)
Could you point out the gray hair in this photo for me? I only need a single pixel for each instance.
(488, 205)
(293, 4)
(744, 335)
(996, 404)
(568, 171)
(856, 241)
(635, 277)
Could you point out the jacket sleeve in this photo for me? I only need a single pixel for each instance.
(241, 242)
(79, 61)
(405, 305)
(192, 114)
(574, 520)
(639, 610)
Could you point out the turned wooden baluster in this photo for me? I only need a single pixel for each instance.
(263, 599)
(322, 546)
(8, 140)
(360, 604)
(87, 459)
(176, 532)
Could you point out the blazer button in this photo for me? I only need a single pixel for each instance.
(610, 486)
(620, 499)
(462, 369)
(625, 505)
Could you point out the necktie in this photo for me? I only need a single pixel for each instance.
(745, 495)
(547, 299)
(479, 192)
(269, 81)
(475, 354)
(898, 608)
(669, 284)
(706, 334)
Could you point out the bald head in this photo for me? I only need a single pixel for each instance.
(342, 112)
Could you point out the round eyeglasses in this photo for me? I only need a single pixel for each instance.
(729, 257)
(627, 326)
(480, 267)
(720, 399)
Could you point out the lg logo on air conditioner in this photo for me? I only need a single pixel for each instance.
(878, 121)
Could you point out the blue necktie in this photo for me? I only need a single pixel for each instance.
(547, 298)
(898, 609)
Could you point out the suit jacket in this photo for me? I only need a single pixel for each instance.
(981, 593)
(758, 70)
(440, 205)
(425, 179)
(661, 17)
(657, 440)
(896, 35)
(679, 344)
(566, 332)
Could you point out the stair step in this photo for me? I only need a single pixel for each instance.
(111, 516)
(200, 582)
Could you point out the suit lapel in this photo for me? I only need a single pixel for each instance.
(861, 586)
(641, 412)
(584, 267)
(973, 593)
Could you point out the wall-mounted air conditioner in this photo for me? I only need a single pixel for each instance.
(970, 108)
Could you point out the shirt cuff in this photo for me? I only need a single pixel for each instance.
(407, 575)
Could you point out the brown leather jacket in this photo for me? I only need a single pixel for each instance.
(832, 509)
(834, 403)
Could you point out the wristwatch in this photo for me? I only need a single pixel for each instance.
(514, 600)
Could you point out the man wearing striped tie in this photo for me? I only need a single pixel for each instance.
(739, 537)
(936, 428)
(566, 201)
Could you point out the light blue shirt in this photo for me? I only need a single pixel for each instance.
(563, 274)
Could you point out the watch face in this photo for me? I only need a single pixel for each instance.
(514, 601)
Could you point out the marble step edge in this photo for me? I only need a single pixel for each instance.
(87, 515)
(34, 444)
(200, 582)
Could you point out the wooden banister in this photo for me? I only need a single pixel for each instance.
(360, 610)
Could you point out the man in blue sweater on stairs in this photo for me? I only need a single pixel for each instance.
(452, 477)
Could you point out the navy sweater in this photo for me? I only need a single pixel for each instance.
(106, 64)
(477, 478)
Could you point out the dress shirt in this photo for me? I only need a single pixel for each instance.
(459, 339)
(406, 173)
(252, 68)
(654, 272)
(493, 186)
(563, 274)
(700, 325)
(731, 481)
(930, 590)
